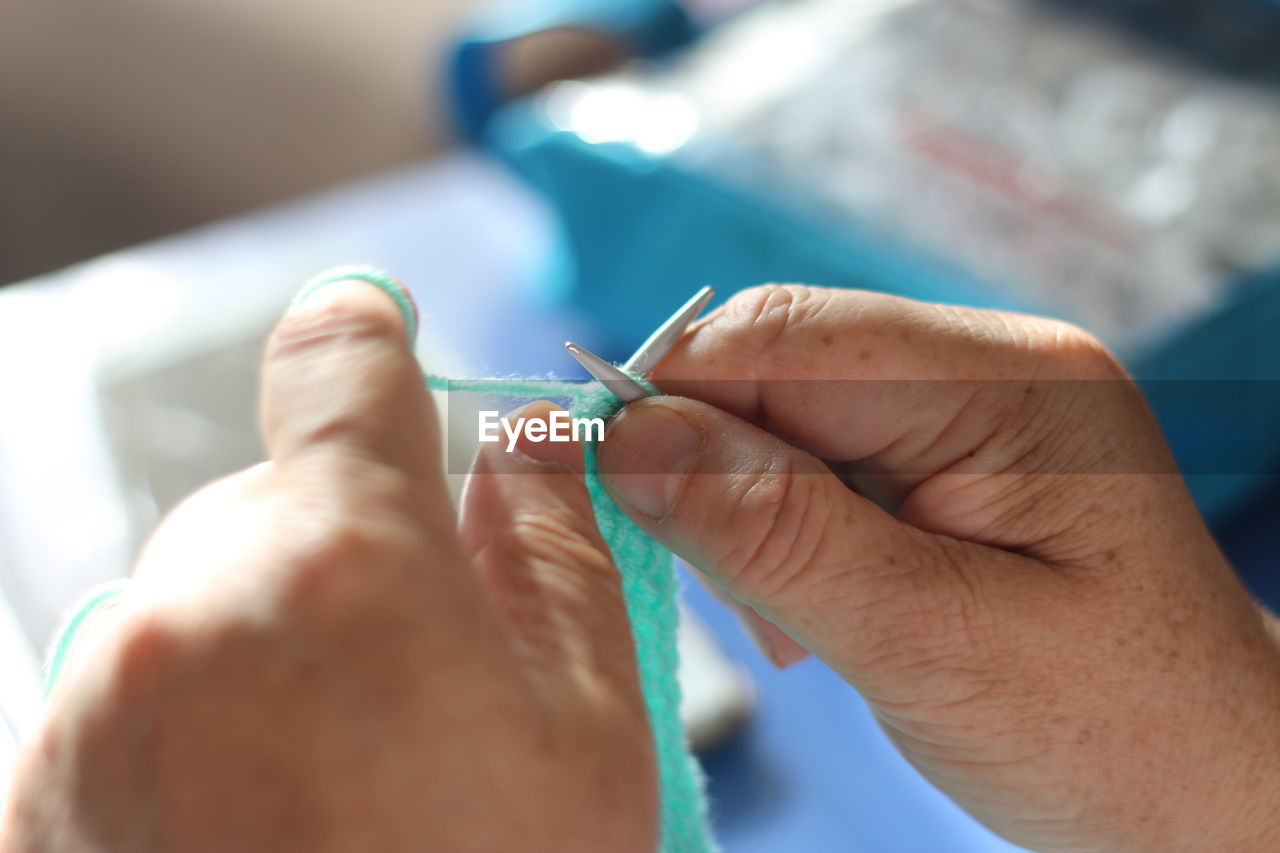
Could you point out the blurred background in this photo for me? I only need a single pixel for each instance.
(123, 122)
(538, 170)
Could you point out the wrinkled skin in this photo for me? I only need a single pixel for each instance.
(1009, 572)
(316, 657)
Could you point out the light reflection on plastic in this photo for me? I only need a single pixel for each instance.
(656, 123)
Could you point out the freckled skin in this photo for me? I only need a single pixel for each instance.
(1005, 563)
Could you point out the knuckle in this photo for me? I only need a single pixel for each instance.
(780, 520)
(554, 535)
(760, 316)
(340, 567)
(304, 333)
(1080, 355)
(348, 486)
(148, 656)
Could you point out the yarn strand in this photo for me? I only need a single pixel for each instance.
(650, 587)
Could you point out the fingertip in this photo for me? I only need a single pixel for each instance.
(338, 305)
(775, 643)
(340, 382)
(336, 364)
(335, 286)
(548, 448)
(786, 651)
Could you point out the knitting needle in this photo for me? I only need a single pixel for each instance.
(660, 342)
(647, 357)
(619, 384)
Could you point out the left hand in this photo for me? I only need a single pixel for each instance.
(314, 658)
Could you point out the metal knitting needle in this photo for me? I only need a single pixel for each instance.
(647, 357)
(660, 342)
(619, 384)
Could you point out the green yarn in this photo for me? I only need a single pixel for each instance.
(93, 600)
(370, 275)
(649, 584)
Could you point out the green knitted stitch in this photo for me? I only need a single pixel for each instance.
(649, 583)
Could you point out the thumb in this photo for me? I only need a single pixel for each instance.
(773, 527)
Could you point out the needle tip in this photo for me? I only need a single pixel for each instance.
(619, 383)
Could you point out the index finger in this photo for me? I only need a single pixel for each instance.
(809, 363)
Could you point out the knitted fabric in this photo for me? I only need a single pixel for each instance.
(649, 584)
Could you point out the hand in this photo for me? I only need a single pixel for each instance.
(313, 659)
(988, 539)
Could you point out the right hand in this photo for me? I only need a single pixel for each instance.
(999, 556)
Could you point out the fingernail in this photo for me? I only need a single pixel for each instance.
(398, 293)
(566, 453)
(645, 454)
